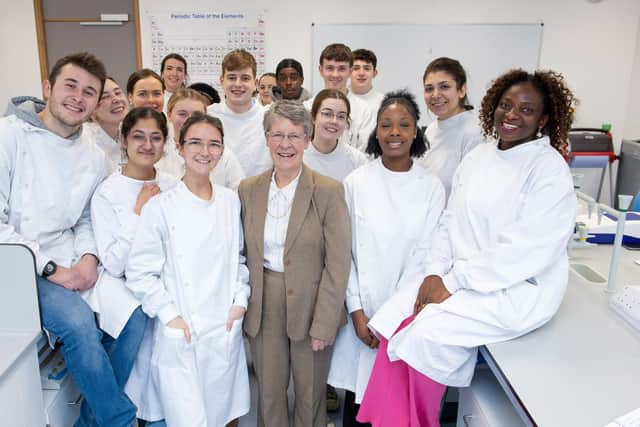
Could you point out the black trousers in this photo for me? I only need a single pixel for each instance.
(351, 410)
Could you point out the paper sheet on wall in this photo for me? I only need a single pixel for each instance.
(203, 37)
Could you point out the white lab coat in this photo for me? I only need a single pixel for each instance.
(114, 226)
(373, 98)
(501, 251)
(362, 122)
(449, 141)
(110, 146)
(167, 97)
(393, 216)
(337, 164)
(186, 261)
(244, 133)
(227, 172)
(46, 184)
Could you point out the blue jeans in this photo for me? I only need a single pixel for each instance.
(99, 371)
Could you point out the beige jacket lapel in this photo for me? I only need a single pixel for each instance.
(301, 202)
(260, 199)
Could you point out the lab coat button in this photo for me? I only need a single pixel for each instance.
(290, 292)
(186, 284)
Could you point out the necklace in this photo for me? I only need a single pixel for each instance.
(279, 206)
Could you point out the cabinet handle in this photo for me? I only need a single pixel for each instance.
(466, 419)
(76, 402)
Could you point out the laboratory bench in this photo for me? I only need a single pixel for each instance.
(582, 368)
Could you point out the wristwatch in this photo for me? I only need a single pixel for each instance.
(49, 269)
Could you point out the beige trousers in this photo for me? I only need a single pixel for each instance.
(275, 356)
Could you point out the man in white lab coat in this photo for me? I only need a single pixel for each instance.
(363, 72)
(241, 114)
(48, 173)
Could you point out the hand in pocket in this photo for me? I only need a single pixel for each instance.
(236, 312)
(179, 323)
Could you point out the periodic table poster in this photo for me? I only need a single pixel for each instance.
(202, 36)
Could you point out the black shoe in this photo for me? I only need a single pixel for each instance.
(333, 403)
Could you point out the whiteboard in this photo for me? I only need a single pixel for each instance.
(202, 34)
(405, 50)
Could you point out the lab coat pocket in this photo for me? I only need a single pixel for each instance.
(170, 332)
(234, 340)
(174, 374)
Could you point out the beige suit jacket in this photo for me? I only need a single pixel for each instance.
(317, 254)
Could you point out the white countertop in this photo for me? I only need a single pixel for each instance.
(583, 367)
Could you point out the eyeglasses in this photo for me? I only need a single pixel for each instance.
(330, 115)
(278, 137)
(213, 146)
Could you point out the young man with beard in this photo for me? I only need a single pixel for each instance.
(48, 173)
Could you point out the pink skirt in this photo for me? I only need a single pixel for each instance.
(398, 395)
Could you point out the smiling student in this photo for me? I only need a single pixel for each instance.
(183, 104)
(145, 88)
(336, 61)
(394, 205)
(173, 71)
(186, 267)
(326, 154)
(105, 127)
(456, 131)
(43, 156)
(241, 114)
(266, 82)
(115, 212)
(364, 70)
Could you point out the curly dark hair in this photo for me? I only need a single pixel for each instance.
(559, 103)
(403, 97)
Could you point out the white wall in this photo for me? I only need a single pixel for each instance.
(594, 45)
(19, 62)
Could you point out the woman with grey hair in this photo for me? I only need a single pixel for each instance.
(297, 240)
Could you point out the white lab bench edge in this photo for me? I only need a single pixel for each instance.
(20, 386)
(583, 367)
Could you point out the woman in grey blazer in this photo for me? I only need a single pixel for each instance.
(298, 244)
